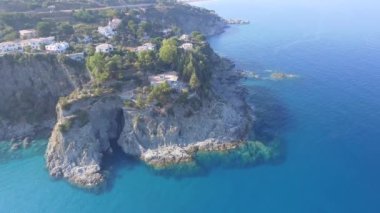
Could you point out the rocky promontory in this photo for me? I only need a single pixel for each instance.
(92, 126)
(157, 93)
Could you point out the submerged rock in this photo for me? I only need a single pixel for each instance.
(204, 156)
(282, 76)
(26, 142)
(15, 146)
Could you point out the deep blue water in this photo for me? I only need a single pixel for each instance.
(332, 123)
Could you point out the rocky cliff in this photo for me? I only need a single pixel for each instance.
(92, 127)
(30, 86)
(82, 135)
(187, 18)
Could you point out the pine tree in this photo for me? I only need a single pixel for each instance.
(194, 81)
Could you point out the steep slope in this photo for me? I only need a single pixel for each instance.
(30, 86)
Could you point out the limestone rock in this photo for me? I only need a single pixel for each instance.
(80, 138)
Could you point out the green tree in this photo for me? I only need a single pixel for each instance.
(113, 63)
(65, 29)
(197, 36)
(189, 70)
(110, 13)
(160, 93)
(96, 64)
(145, 60)
(194, 81)
(144, 27)
(132, 27)
(44, 28)
(169, 51)
(85, 16)
(140, 103)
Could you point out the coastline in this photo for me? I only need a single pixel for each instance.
(92, 123)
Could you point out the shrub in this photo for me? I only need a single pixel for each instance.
(140, 103)
(66, 125)
(129, 103)
(65, 103)
(160, 93)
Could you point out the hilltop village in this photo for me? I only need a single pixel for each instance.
(120, 40)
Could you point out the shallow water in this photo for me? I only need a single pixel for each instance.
(329, 120)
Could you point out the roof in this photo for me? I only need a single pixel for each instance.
(164, 77)
(59, 45)
(187, 46)
(104, 46)
(184, 37)
(115, 23)
(27, 31)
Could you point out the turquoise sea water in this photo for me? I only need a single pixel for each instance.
(329, 119)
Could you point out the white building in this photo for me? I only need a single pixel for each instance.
(104, 48)
(109, 30)
(28, 34)
(167, 32)
(106, 31)
(168, 77)
(187, 46)
(185, 38)
(162, 78)
(58, 47)
(10, 47)
(36, 43)
(146, 47)
(114, 23)
(19, 46)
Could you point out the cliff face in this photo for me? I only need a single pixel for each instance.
(30, 86)
(81, 136)
(77, 146)
(188, 19)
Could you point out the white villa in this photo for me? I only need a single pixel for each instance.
(167, 31)
(106, 31)
(114, 23)
(187, 46)
(104, 48)
(146, 47)
(162, 78)
(19, 46)
(109, 30)
(58, 47)
(168, 77)
(36, 43)
(27, 34)
(10, 47)
(185, 38)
